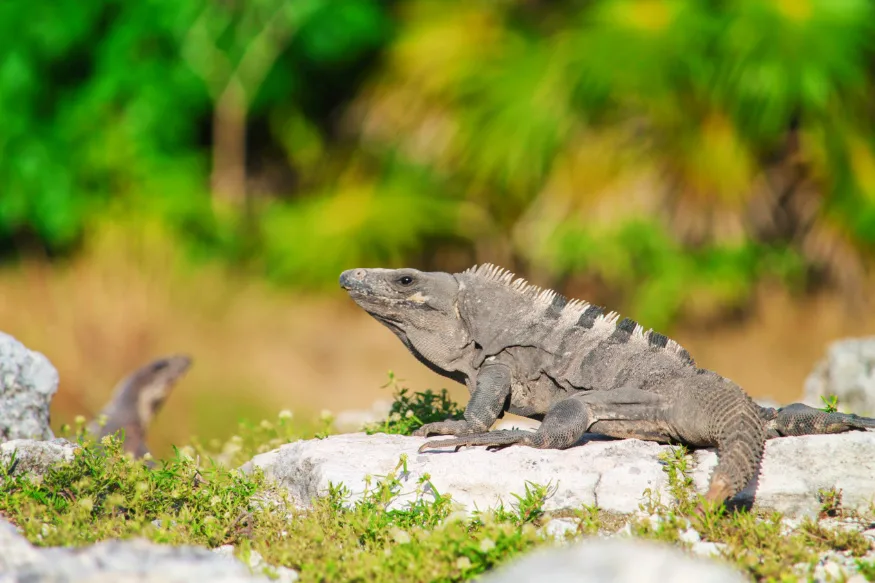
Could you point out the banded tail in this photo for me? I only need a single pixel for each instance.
(799, 419)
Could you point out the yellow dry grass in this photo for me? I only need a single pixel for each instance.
(257, 349)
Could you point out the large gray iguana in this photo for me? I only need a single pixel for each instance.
(532, 352)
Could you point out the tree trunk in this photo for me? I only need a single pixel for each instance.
(228, 178)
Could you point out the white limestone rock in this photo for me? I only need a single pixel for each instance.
(258, 565)
(613, 560)
(612, 474)
(848, 372)
(129, 561)
(28, 381)
(35, 457)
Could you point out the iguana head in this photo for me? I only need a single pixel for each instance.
(138, 397)
(419, 307)
(141, 394)
(154, 383)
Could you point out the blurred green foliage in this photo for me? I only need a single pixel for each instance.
(679, 151)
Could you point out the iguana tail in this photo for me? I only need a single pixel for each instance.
(799, 419)
(137, 399)
(741, 438)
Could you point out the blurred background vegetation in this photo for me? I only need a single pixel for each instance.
(194, 174)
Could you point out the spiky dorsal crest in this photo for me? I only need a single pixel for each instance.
(573, 309)
(500, 275)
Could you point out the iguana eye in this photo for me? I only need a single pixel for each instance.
(405, 280)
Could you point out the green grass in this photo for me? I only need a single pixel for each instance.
(103, 493)
(198, 497)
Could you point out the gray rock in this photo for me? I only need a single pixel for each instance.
(258, 565)
(848, 372)
(16, 550)
(690, 536)
(28, 381)
(35, 457)
(130, 561)
(614, 560)
(833, 567)
(612, 474)
(707, 549)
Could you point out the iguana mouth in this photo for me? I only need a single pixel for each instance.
(396, 326)
(388, 320)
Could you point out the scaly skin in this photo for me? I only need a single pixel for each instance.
(534, 353)
(799, 419)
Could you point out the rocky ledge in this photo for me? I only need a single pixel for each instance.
(613, 474)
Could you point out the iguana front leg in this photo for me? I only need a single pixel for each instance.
(487, 402)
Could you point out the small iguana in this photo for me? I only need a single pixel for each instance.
(136, 400)
(532, 352)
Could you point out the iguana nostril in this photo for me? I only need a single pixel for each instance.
(350, 277)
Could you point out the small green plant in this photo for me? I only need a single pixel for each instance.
(831, 403)
(589, 519)
(843, 540)
(409, 411)
(830, 502)
(866, 569)
(676, 464)
(377, 502)
(529, 507)
(326, 421)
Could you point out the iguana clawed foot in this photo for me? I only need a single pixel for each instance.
(491, 439)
